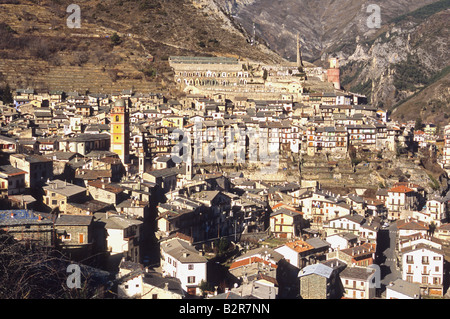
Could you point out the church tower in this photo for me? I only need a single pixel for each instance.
(120, 130)
(333, 73)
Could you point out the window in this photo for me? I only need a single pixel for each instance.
(191, 279)
(425, 260)
(190, 267)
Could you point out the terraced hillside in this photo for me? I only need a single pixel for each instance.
(38, 49)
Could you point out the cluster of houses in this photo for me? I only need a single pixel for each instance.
(68, 182)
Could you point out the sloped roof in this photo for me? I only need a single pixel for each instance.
(405, 288)
(73, 220)
(411, 224)
(182, 251)
(400, 189)
(299, 246)
(317, 269)
(359, 273)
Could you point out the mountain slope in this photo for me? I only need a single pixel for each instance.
(430, 104)
(39, 50)
(320, 23)
(400, 66)
(403, 58)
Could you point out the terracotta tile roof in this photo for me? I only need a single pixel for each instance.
(412, 224)
(108, 187)
(283, 205)
(400, 189)
(408, 184)
(299, 246)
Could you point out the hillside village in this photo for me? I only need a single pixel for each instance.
(95, 176)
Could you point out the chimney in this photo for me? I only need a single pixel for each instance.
(166, 286)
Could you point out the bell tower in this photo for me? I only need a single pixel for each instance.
(120, 130)
(333, 73)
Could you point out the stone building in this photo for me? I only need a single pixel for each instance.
(318, 281)
(74, 235)
(106, 192)
(27, 226)
(208, 71)
(58, 193)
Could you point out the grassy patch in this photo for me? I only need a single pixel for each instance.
(274, 242)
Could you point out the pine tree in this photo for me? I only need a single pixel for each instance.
(115, 39)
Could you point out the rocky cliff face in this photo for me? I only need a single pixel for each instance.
(321, 23)
(403, 60)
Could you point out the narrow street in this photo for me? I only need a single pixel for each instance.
(387, 258)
